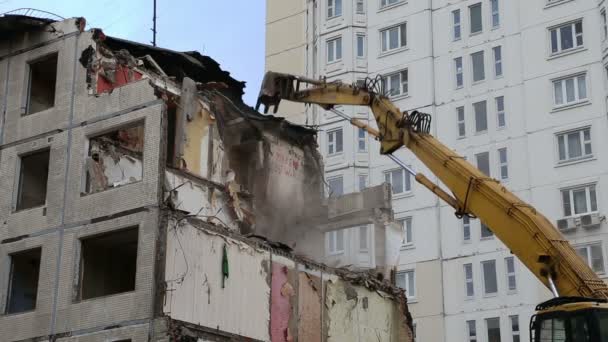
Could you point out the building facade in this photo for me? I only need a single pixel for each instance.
(519, 88)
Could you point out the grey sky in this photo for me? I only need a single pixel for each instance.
(229, 31)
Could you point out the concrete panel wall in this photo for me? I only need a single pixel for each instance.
(309, 307)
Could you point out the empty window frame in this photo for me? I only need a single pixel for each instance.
(475, 18)
(393, 38)
(477, 62)
(503, 163)
(458, 72)
(500, 111)
(41, 84)
(497, 51)
(363, 238)
(108, 263)
(493, 329)
(481, 116)
(471, 331)
(360, 46)
(593, 255)
(335, 241)
(33, 179)
(483, 162)
(360, 6)
(408, 234)
(362, 182)
(334, 142)
(495, 13)
(23, 281)
(579, 200)
(399, 180)
(490, 284)
(407, 281)
(336, 186)
(361, 140)
(469, 285)
(456, 25)
(334, 50)
(334, 8)
(385, 3)
(514, 319)
(574, 145)
(510, 274)
(466, 228)
(570, 90)
(460, 121)
(566, 37)
(396, 84)
(115, 158)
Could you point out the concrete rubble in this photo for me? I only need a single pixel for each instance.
(227, 204)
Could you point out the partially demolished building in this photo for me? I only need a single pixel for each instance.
(142, 200)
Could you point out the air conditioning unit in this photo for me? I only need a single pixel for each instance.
(590, 220)
(566, 224)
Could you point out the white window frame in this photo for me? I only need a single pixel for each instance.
(363, 177)
(336, 56)
(477, 128)
(408, 231)
(332, 144)
(363, 236)
(575, 43)
(510, 274)
(501, 119)
(483, 66)
(361, 140)
(588, 200)
(503, 163)
(483, 274)
(388, 3)
(604, 24)
(331, 6)
(477, 156)
(577, 94)
(332, 242)
(514, 333)
(471, 33)
(330, 190)
(496, 51)
(468, 281)
(461, 122)
(361, 43)
(495, 13)
(584, 143)
(471, 326)
(385, 38)
(487, 320)
(466, 226)
(409, 277)
(589, 260)
(407, 181)
(458, 72)
(456, 25)
(360, 6)
(403, 85)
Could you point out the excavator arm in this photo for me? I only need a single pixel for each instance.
(527, 233)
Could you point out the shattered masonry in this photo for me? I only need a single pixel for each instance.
(216, 211)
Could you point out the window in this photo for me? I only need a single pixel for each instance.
(334, 142)
(483, 162)
(334, 50)
(593, 256)
(570, 90)
(579, 201)
(514, 327)
(363, 244)
(33, 178)
(385, 3)
(459, 73)
(360, 5)
(334, 8)
(574, 145)
(360, 46)
(406, 281)
(362, 140)
(336, 241)
(495, 13)
(553, 329)
(406, 225)
(481, 116)
(472, 331)
(362, 182)
(108, 263)
(500, 111)
(461, 125)
(566, 37)
(475, 18)
(479, 73)
(486, 233)
(468, 280)
(510, 268)
(399, 181)
(503, 163)
(23, 281)
(490, 286)
(493, 327)
(604, 25)
(456, 24)
(396, 84)
(41, 85)
(497, 61)
(466, 228)
(393, 38)
(336, 186)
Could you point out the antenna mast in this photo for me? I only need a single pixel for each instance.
(154, 25)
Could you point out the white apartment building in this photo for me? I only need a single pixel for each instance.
(517, 87)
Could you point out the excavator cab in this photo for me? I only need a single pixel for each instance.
(570, 319)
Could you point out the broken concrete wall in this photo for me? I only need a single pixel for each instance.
(309, 307)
